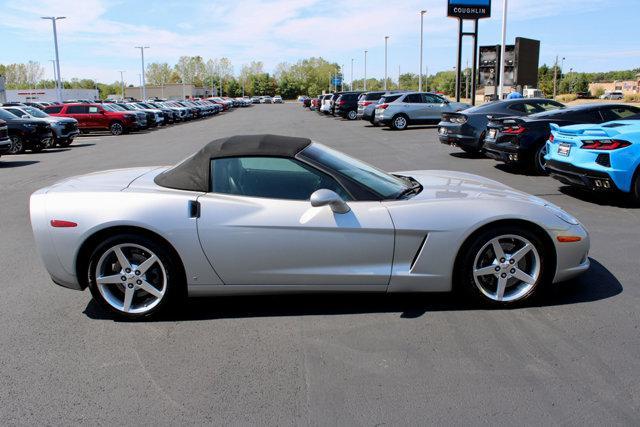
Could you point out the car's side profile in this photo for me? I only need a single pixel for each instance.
(597, 157)
(415, 108)
(96, 117)
(65, 129)
(264, 214)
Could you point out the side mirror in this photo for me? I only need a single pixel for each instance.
(324, 197)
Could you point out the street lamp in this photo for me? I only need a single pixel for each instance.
(55, 79)
(144, 90)
(365, 69)
(386, 39)
(502, 49)
(422, 12)
(55, 43)
(122, 83)
(351, 87)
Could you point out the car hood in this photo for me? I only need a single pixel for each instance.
(54, 119)
(446, 185)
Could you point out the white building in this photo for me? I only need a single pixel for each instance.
(48, 95)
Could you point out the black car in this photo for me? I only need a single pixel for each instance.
(346, 105)
(306, 102)
(521, 141)
(467, 129)
(5, 142)
(332, 102)
(26, 134)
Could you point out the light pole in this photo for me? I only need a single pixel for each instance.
(122, 83)
(386, 39)
(351, 87)
(398, 77)
(55, 79)
(502, 49)
(144, 90)
(55, 43)
(422, 12)
(365, 70)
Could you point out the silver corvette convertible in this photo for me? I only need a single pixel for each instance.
(264, 213)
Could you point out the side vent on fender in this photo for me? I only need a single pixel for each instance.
(418, 252)
(194, 209)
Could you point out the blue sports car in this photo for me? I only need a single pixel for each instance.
(600, 157)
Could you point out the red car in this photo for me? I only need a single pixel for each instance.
(96, 117)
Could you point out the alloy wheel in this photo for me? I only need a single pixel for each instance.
(400, 122)
(542, 163)
(16, 145)
(116, 129)
(352, 115)
(131, 278)
(507, 268)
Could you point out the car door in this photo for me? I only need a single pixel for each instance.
(414, 107)
(257, 227)
(80, 113)
(435, 106)
(96, 117)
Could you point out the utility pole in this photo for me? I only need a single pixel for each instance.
(422, 12)
(365, 70)
(351, 74)
(555, 78)
(386, 39)
(55, 43)
(342, 77)
(398, 77)
(144, 90)
(122, 83)
(502, 49)
(55, 78)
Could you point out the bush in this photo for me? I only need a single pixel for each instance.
(632, 97)
(567, 97)
(598, 92)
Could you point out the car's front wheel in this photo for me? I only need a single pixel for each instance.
(399, 122)
(504, 266)
(133, 276)
(116, 128)
(17, 146)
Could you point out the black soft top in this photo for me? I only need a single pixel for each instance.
(193, 172)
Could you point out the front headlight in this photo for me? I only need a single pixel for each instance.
(562, 215)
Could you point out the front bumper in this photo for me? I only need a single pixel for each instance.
(572, 258)
(569, 174)
(65, 131)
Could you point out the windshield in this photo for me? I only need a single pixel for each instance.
(108, 107)
(385, 185)
(35, 112)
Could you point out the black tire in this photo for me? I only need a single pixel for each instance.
(37, 148)
(174, 292)
(538, 166)
(399, 122)
(374, 123)
(635, 187)
(17, 146)
(352, 114)
(116, 128)
(65, 142)
(465, 280)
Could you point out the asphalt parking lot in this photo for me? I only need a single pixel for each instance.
(319, 360)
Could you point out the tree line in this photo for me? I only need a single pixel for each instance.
(310, 76)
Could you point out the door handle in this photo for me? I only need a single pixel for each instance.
(194, 209)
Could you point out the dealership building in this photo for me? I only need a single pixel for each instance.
(49, 95)
(625, 86)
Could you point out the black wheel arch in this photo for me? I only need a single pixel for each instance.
(92, 242)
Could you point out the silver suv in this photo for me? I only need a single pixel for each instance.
(415, 108)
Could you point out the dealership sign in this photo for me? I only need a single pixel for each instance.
(469, 9)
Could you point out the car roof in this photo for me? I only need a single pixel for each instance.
(193, 173)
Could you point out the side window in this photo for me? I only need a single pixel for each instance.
(15, 112)
(547, 106)
(589, 116)
(617, 113)
(413, 98)
(432, 99)
(517, 107)
(269, 177)
(53, 110)
(77, 109)
(93, 110)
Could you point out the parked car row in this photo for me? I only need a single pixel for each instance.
(38, 126)
(267, 99)
(395, 109)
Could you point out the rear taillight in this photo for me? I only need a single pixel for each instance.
(383, 106)
(342, 102)
(366, 103)
(552, 138)
(514, 130)
(604, 144)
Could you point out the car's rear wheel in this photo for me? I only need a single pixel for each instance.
(133, 276)
(17, 146)
(539, 162)
(399, 122)
(116, 128)
(38, 147)
(352, 115)
(504, 266)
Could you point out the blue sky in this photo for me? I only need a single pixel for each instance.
(98, 37)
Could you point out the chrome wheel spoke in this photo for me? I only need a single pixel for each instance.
(148, 287)
(485, 271)
(142, 268)
(128, 297)
(497, 249)
(521, 275)
(109, 280)
(522, 252)
(502, 285)
(122, 260)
